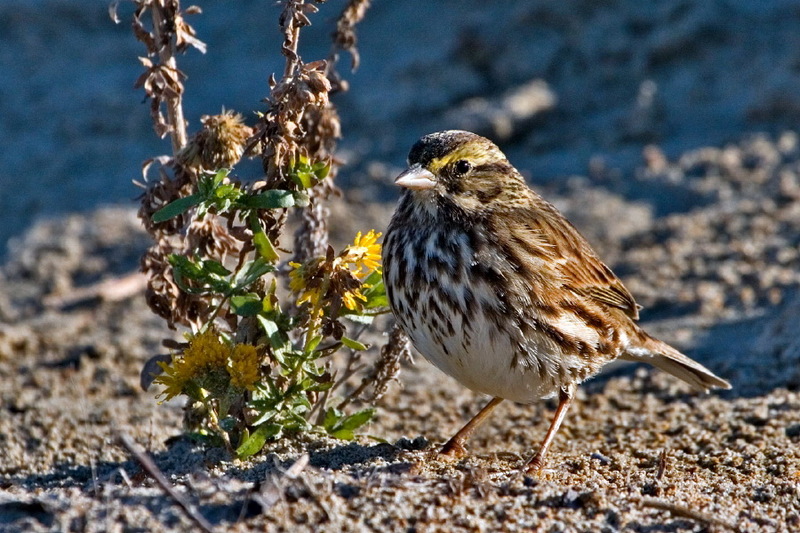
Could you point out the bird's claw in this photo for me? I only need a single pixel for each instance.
(451, 451)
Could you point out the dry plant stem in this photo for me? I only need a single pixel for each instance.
(385, 369)
(319, 407)
(316, 499)
(349, 371)
(345, 36)
(311, 238)
(662, 465)
(358, 390)
(291, 45)
(291, 36)
(686, 512)
(166, 54)
(213, 419)
(272, 491)
(152, 470)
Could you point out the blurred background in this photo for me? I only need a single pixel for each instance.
(566, 88)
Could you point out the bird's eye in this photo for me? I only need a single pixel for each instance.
(463, 166)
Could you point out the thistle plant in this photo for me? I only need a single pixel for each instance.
(262, 324)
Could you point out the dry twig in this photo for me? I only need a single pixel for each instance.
(662, 465)
(396, 349)
(152, 470)
(686, 512)
(110, 290)
(273, 490)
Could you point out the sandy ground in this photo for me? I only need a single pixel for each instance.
(638, 452)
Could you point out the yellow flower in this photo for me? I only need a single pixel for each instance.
(303, 281)
(207, 351)
(173, 377)
(349, 299)
(320, 280)
(244, 366)
(205, 354)
(296, 277)
(364, 255)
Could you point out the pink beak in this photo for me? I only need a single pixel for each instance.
(416, 178)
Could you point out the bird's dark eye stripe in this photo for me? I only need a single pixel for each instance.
(496, 167)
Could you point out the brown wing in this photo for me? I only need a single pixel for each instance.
(578, 267)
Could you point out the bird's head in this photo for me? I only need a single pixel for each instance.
(460, 167)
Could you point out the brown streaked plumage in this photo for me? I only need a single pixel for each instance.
(496, 288)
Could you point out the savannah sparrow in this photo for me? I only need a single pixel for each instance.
(497, 289)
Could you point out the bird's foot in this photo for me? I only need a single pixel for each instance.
(534, 466)
(452, 450)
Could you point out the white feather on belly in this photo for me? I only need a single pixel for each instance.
(483, 358)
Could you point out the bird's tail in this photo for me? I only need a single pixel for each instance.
(668, 359)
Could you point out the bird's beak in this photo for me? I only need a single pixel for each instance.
(416, 178)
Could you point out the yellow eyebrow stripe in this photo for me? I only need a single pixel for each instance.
(474, 153)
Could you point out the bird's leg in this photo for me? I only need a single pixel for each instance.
(455, 446)
(564, 400)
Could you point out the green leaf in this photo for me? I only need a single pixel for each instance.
(207, 274)
(218, 177)
(354, 344)
(356, 420)
(214, 267)
(211, 276)
(344, 427)
(321, 169)
(332, 416)
(197, 269)
(246, 304)
(296, 422)
(376, 292)
(303, 178)
(184, 264)
(264, 246)
(376, 297)
(343, 434)
(266, 416)
(319, 387)
(312, 344)
(193, 391)
(250, 272)
(360, 319)
(301, 199)
(209, 182)
(266, 391)
(311, 367)
(229, 191)
(176, 207)
(301, 404)
(255, 442)
(374, 278)
(271, 199)
(277, 338)
(269, 326)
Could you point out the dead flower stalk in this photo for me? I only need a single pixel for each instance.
(257, 363)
